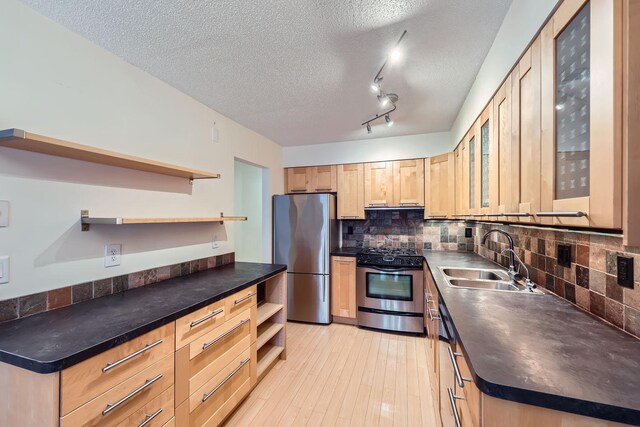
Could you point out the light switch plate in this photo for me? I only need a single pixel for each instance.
(4, 213)
(4, 269)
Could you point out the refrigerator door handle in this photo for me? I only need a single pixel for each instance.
(324, 290)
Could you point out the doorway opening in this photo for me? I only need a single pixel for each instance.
(251, 199)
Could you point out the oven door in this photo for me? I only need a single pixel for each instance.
(390, 289)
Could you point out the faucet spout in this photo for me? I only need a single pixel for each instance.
(512, 270)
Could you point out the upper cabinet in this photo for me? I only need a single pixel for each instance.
(378, 184)
(525, 143)
(408, 183)
(351, 191)
(312, 179)
(440, 186)
(500, 159)
(582, 115)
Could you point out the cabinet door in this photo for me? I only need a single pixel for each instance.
(351, 191)
(408, 183)
(440, 186)
(323, 179)
(472, 164)
(343, 287)
(501, 150)
(487, 164)
(464, 176)
(457, 153)
(298, 180)
(525, 120)
(378, 184)
(582, 121)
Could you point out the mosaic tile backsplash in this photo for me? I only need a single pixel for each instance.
(405, 229)
(44, 301)
(589, 282)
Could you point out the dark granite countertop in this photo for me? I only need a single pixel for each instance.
(345, 251)
(52, 341)
(540, 349)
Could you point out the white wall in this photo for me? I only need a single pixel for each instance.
(368, 150)
(522, 22)
(249, 202)
(55, 83)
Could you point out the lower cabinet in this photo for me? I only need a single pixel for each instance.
(343, 287)
(188, 373)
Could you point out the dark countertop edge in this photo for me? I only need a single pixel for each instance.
(59, 365)
(349, 252)
(544, 400)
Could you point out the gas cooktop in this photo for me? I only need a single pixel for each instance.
(390, 257)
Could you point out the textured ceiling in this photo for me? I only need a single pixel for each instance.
(299, 71)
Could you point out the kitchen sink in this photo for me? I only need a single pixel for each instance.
(491, 279)
(484, 284)
(475, 273)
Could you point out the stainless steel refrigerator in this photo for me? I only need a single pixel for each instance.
(305, 231)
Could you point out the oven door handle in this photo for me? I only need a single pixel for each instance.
(388, 270)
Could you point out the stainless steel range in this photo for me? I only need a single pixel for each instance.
(390, 289)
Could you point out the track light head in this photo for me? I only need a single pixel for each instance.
(387, 119)
(368, 128)
(383, 100)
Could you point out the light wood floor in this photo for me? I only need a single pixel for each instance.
(340, 375)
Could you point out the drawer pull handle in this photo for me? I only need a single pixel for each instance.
(344, 261)
(150, 417)
(235, 371)
(456, 369)
(454, 408)
(238, 301)
(349, 217)
(519, 214)
(298, 190)
(147, 347)
(324, 189)
(207, 317)
(226, 334)
(143, 387)
(431, 316)
(377, 204)
(577, 214)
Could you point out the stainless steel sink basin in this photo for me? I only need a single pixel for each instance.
(475, 273)
(484, 284)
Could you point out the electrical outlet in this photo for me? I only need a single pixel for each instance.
(4, 213)
(625, 271)
(350, 230)
(215, 134)
(564, 255)
(4, 269)
(112, 255)
(468, 232)
(215, 244)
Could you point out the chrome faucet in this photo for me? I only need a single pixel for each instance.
(528, 284)
(512, 269)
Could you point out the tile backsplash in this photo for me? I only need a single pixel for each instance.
(405, 229)
(44, 301)
(589, 281)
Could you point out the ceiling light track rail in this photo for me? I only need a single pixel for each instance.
(378, 77)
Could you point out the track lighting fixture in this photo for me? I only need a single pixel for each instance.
(385, 99)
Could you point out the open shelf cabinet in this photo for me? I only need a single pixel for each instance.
(22, 140)
(272, 319)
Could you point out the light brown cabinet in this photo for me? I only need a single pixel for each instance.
(408, 183)
(378, 184)
(343, 287)
(351, 191)
(312, 179)
(582, 119)
(501, 151)
(440, 188)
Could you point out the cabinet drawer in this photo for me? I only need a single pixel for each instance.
(91, 378)
(117, 404)
(201, 360)
(471, 405)
(240, 301)
(157, 413)
(210, 405)
(198, 323)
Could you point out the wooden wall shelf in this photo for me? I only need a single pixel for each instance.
(21, 140)
(87, 220)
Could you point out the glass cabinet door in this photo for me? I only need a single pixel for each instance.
(581, 124)
(484, 183)
(572, 108)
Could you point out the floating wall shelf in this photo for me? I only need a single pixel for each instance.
(86, 220)
(21, 140)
